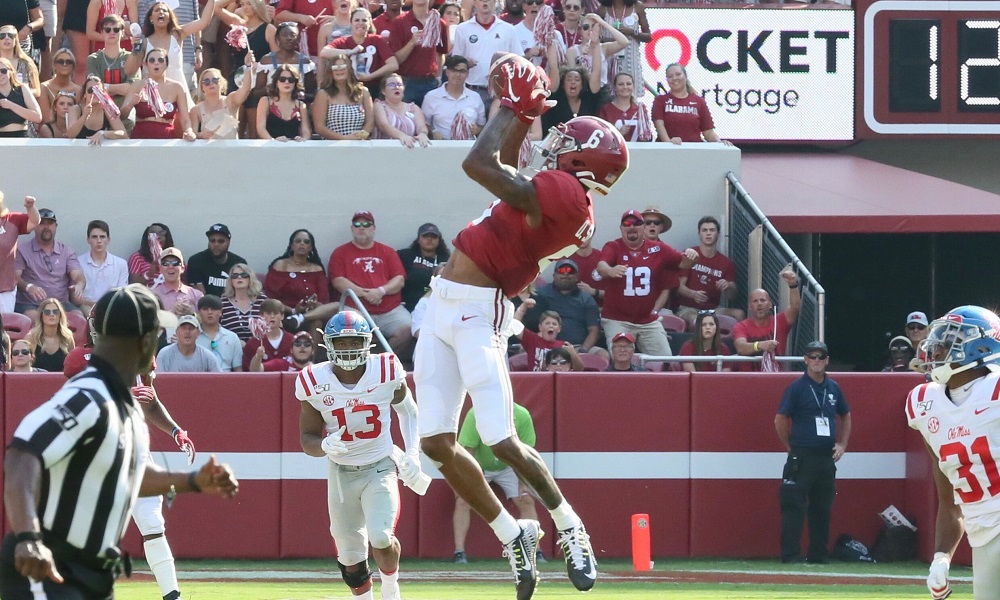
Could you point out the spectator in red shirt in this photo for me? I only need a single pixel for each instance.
(681, 115)
(273, 353)
(706, 342)
(12, 225)
(538, 345)
(418, 65)
(383, 22)
(302, 351)
(756, 335)
(298, 280)
(713, 277)
(370, 53)
(637, 274)
(141, 266)
(374, 272)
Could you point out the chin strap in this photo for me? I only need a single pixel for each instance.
(943, 373)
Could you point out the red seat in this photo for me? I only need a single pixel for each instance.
(726, 324)
(656, 366)
(79, 326)
(16, 325)
(673, 323)
(593, 362)
(519, 362)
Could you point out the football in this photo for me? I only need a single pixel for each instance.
(499, 75)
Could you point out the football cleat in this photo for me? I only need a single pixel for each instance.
(580, 563)
(460, 558)
(521, 554)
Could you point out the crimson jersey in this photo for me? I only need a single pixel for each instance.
(651, 269)
(703, 275)
(376, 52)
(684, 117)
(508, 251)
(369, 269)
(966, 441)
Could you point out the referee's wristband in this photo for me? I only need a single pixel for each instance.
(192, 483)
(28, 536)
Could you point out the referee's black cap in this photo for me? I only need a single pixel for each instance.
(130, 311)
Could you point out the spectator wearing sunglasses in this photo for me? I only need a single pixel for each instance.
(711, 280)
(343, 106)
(557, 360)
(46, 268)
(901, 352)
(302, 351)
(176, 296)
(287, 55)
(591, 53)
(51, 337)
(572, 17)
(22, 359)
(241, 300)
(14, 224)
(916, 328)
(370, 53)
(97, 10)
(397, 120)
(374, 272)
(116, 67)
(63, 63)
(93, 122)
(221, 342)
(26, 73)
(281, 115)
(707, 341)
(297, 279)
(524, 31)
(186, 355)
(217, 116)
(638, 274)
(209, 269)
(18, 105)
(442, 106)
(580, 317)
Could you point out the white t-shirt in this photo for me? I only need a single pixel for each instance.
(479, 44)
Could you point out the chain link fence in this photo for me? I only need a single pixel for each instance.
(760, 253)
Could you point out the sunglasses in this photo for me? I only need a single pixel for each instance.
(816, 356)
(900, 349)
(338, 67)
(66, 62)
(50, 311)
(241, 275)
(585, 27)
(4, 70)
(395, 84)
(210, 80)
(291, 24)
(113, 29)
(170, 263)
(362, 224)
(66, 94)
(632, 223)
(537, 2)
(20, 352)
(565, 270)
(570, 7)
(705, 313)
(916, 327)
(284, 79)
(156, 59)
(561, 361)
(656, 222)
(302, 343)
(7, 35)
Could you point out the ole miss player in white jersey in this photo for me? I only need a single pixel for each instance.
(958, 414)
(463, 342)
(345, 417)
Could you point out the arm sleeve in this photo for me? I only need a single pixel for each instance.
(785, 408)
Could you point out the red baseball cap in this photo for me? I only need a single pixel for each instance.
(624, 336)
(365, 215)
(632, 215)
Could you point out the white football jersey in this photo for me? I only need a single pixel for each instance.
(966, 440)
(364, 407)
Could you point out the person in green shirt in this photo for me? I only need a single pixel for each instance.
(496, 472)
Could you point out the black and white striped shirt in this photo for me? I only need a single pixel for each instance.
(93, 441)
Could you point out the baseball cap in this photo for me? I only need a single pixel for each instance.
(900, 340)
(567, 262)
(189, 320)
(130, 311)
(425, 229)
(817, 346)
(917, 317)
(624, 336)
(219, 228)
(171, 251)
(653, 209)
(365, 215)
(47, 213)
(632, 214)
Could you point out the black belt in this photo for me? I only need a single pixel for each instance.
(812, 450)
(116, 561)
(477, 87)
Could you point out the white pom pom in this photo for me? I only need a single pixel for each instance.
(135, 29)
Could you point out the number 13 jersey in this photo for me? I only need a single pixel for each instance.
(364, 407)
(966, 440)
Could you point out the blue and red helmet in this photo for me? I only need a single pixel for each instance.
(348, 324)
(965, 338)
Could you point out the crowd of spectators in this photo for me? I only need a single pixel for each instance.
(308, 69)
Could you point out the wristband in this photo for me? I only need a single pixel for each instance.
(29, 286)
(756, 346)
(28, 536)
(173, 433)
(792, 287)
(192, 483)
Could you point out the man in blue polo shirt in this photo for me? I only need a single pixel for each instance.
(807, 426)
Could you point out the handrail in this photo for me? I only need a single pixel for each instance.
(376, 332)
(718, 359)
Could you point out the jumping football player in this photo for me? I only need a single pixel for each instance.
(463, 342)
(345, 417)
(958, 413)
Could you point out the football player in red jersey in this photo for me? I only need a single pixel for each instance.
(463, 342)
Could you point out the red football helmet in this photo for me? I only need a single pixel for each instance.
(590, 148)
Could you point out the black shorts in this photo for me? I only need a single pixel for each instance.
(81, 583)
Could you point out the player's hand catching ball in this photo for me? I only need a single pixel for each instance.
(937, 578)
(520, 85)
(333, 445)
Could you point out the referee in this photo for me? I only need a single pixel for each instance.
(807, 426)
(77, 463)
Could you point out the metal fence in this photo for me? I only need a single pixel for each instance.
(759, 251)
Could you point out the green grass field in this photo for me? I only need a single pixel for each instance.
(490, 580)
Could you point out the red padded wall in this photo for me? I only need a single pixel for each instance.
(633, 412)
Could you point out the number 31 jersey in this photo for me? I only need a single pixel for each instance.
(966, 440)
(363, 407)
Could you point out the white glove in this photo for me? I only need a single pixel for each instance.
(409, 469)
(937, 578)
(332, 444)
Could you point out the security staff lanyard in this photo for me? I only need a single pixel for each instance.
(822, 422)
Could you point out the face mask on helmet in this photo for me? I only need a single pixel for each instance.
(955, 344)
(585, 147)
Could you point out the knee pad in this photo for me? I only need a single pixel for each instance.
(148, 515)
(380, 539)
(358, 578)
